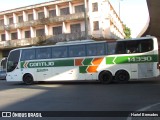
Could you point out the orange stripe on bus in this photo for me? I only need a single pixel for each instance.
(92, 69)
(97, 61)
(78, 62)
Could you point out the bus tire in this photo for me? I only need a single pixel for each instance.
(122, 76)
(105, 77)
(28, 79)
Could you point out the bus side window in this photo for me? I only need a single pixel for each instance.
(91, 50)
(95, 49)
(43, 53)
(77, 51)
(146, 45)
(110, 48)
(132, 47)
(28, 54)
(120, 47)
(59, 52)
(100, 49)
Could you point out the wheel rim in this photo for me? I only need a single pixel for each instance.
(105, 77)
(123, 76)
(28, 80)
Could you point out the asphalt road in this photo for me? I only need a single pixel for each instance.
(82, 96)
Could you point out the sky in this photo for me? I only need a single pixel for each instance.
(133, 13)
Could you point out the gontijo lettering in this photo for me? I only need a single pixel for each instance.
(41, 64)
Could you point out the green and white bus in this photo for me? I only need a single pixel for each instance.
(119, 60)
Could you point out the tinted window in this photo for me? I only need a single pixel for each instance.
(59, 52)
(134, 46)
(146, 45)
(120, 48)
(91, 50)
(95, 49)
(43, 53)
(13, 60)
(110, 49)
(28, 54)
(77, 51)
(100, 49)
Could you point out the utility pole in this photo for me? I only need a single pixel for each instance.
(119, 8)
(86, 21)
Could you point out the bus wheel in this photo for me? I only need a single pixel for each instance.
(122, 76)
(105, 77)
(28, 79)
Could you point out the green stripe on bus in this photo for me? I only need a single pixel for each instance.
(131, 59)
(38, 64)
(82, 69)
(87, 61)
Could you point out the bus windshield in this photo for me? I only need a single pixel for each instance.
(13, 60)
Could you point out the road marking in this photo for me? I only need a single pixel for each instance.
(144, 109)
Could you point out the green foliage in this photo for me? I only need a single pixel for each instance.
(127, 32)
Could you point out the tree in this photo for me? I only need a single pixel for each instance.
(127, 32)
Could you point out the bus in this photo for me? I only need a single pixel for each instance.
(103, 61)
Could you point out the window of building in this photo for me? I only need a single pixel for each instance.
(79, 8)
(41, 15)
(30, 17)
(3, 37)
(11, 20)
(14, 36)
(57, 30)
(94, 7)
(40, 32)
(20, 19)
(43, 53)
(28, 54)
(64, 11)
(2, 22)
(96, 25)
(27, 34)
(77, 51)
(60, 52)
(52, 13)
(75, 28)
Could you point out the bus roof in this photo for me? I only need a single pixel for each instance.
(76, 42)
(64, 44)
(140, 38)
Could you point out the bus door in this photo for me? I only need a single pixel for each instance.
(16, 74)
(13, 66)
(145, 70)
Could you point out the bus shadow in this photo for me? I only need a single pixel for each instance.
(82, 82)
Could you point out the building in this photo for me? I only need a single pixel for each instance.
(59, 20)
(153, 27)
